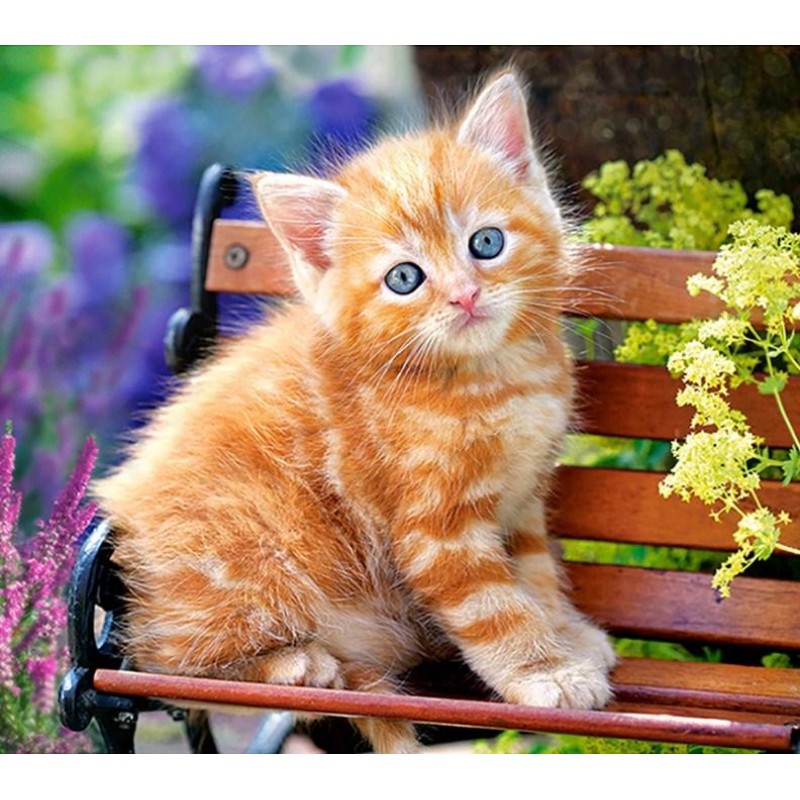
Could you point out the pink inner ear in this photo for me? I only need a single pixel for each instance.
(299, 210)
(515, 144)
(303, 226)
(498, 122)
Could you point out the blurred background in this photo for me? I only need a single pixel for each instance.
(101, 150)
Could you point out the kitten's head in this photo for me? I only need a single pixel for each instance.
(439, 247)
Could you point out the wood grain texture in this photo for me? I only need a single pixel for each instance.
(267, 268)
(682, 606)
(639, 402)
(729, 687)
(638, 283)
(616, 282)
(617, 505)
(471, 713)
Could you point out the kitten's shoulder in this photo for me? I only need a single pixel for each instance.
(250, 385)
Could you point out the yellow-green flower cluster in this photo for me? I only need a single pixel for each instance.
(713, 466)
(720, 461)
(669, 203)
(758, 269)
(652, 343)
(757, 536)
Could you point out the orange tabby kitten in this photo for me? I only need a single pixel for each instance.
(360, 482)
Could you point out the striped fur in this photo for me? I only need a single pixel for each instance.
(360, 483)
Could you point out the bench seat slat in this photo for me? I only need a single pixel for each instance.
(470, 713)
(677, 606)
(639, 401)
(721, 687)
(639, 283)
(617, 505)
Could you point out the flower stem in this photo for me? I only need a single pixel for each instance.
(777, 395)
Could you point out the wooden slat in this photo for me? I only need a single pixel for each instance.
(618, 505)
(266, 270)
(723, 687)
(470, 713)
(639, 402)
(676, 606)
(639, 283)
(617, 283)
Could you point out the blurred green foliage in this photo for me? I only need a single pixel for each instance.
(68, 125)
(668, 203)
(511, 742)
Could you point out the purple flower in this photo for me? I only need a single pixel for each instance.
(234, 70)
(26, 248)
(33, 611)
(342, 117)
(166, 164)
(170, 262)
(42, 672)
(99, 249)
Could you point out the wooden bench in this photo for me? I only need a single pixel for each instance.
(736, 704)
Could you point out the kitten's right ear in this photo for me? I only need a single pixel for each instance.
(299, 210)
(498, 122)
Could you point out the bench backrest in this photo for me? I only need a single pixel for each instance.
(621, 400)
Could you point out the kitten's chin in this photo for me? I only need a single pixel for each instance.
(475, 337)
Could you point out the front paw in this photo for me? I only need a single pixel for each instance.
(589, 642)
(575, 683)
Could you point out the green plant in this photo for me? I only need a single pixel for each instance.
(669, 203)
(511, 742)
(752, 342)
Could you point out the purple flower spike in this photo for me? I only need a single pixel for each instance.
(98, 247)
(10, 502)
(26, 248)
(33, 612)
(234, 70)
(42, 672)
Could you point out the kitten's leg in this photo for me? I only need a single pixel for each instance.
(385, 735)
(507, 634)
(306, 665)
(540, 570)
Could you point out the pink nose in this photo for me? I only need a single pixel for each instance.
(466, 297)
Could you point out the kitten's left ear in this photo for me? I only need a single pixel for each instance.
(498, 122)
(299, 210)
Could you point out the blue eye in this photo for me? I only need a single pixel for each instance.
(404, 278)
(486, 243)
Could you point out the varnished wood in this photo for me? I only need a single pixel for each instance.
(730, 687)
(474, 713)
(639, 402)
(638, 283)
(687, 709)
(266, 270)
(663, 604)
(617, 505)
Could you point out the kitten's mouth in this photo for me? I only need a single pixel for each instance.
(470, 318)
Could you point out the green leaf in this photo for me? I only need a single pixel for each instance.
(773, 383)
(791, 466)
(776, 660)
